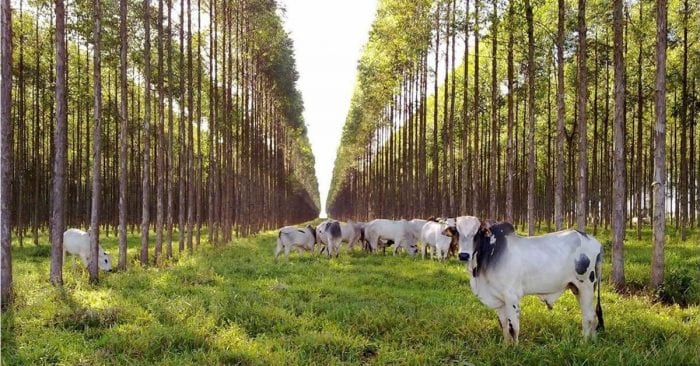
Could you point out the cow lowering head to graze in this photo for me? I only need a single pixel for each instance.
(292, 237)
(504, 267)
(382, 231)
(77, 242)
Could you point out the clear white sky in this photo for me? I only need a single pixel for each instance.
(328, 38)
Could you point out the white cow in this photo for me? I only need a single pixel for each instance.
(416, 225)
(439, 236)
(292, 237)
(329, 234)
(505, 267)
(397, 231)
(77, 242)
(351, 232)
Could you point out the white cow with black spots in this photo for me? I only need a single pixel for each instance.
(504, 267)
(382, 230)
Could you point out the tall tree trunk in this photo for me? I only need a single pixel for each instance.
(96, 147)
(640, 114)
(683, 186)
(475, 148)
(531, 120)
(465, 117)
(145, 215)
(511, 91)
(190, 145)
(160, 169)
(495, 131)
(435, 197)
(619, 171)
(60, 132)
(659, 185)
(122, 140)
(6, 151)
(559, 174)
(582, 202)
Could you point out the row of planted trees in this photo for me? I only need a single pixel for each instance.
(545, 114)
(174, 115)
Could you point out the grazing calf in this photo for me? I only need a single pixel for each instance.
(504, 267)
(291, 237)
(77, 242)
(439, 236)
(398, 232)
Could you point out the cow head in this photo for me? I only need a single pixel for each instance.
(104, 262)
(467, 228)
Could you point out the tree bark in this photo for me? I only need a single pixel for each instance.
(531, 120)
(96, 147)
(122, 140)
(495, 131)
(58, 192)
(582, 201)
(659, 185)
(6, 151)
(619, 171)
(509, 145)
(559, 174)
(145, 217)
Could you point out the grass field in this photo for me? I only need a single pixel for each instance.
(236, 305)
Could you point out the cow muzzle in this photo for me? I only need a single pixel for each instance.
(464, 257)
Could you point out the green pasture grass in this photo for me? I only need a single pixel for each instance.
(237, 305)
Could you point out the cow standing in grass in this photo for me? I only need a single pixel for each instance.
(77, 242)
(292, 237)
(398, 232)
(505, 267)
(330, 235)
(439, 236)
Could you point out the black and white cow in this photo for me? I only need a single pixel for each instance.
(505, 267)
(329, 234)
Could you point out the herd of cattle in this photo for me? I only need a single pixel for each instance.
(504, 266)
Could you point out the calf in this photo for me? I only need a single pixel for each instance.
(504, 267)
(77, 242)
(291, 237)
(351, 232)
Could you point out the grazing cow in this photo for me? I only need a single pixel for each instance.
(351, 232)
(330, 235)
(439, 236)
(416, 225)
(398, 232)
(77, 242)
(504, 267)
(292, 237)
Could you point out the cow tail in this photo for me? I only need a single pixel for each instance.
(598, 308)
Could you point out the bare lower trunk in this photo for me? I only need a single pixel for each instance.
(59, 162)
(531, 120)
(659, 185)
(97, 150)
(6, 151)
(582, 202)
(122, 139)
(559, 174)
(619, 187)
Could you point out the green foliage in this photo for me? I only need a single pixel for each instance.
(237, 305)
(679, 287)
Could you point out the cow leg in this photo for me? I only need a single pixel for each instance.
(588, 316)
(278, 250)
(503, 321)
(286, 252)
(512, 323)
